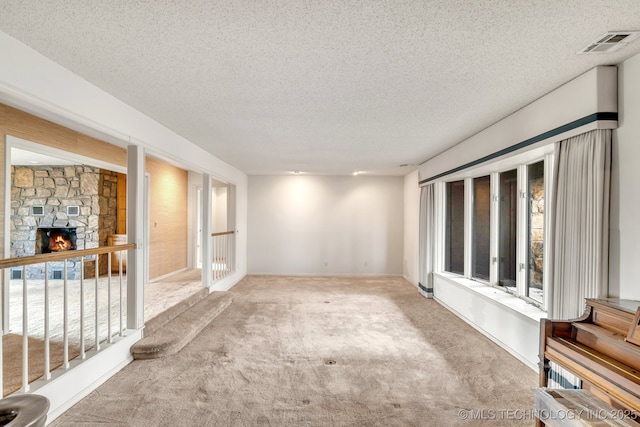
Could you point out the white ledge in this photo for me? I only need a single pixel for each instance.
(518, 305)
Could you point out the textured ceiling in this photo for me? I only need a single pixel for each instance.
(327, 86)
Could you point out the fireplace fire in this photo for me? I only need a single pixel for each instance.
(55, 240)
(59, 243)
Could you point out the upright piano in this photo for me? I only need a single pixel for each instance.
(599, 349)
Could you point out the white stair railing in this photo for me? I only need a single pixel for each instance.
(223, 250)
(45, 332)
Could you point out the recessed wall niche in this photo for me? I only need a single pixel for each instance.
(55, 188)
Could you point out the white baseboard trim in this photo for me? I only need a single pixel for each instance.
(325, 274)
(410, 281)
(427, 296)
(164, 276)
(226, 283)
(68, 386)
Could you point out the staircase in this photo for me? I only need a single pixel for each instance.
(171, 330)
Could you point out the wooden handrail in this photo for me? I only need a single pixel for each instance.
(222, 233)
(61, 256)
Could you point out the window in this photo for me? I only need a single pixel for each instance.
(494, 233)
(508, 215)
(480, 237)
(454, 234)
(535, 230)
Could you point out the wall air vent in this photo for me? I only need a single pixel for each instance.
(611, 41)
(73, 210)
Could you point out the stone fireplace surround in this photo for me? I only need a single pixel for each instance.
(93, 190)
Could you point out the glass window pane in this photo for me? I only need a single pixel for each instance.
(508, 215)
(535, 235)
(481, 228)
(454, 241)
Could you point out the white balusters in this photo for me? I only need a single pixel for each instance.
(47, 365)
(222, 254)
(215, 258)
(65, 317)
(109, 339)
(121, 292)
(226, 254)
(1, 365)
(25, 332)
(97, 306)
(83, 355)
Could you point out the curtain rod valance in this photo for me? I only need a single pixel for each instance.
(592, 118)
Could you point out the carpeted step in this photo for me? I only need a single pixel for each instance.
(172, 312)
(178, 332)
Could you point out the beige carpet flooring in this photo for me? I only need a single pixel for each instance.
(318, 351)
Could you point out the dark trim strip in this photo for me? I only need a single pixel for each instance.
(425, 289)
(551, 133)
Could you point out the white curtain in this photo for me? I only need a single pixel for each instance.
(579, 230)
(580, 222)
(427, 240)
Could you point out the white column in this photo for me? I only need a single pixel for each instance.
(494, 271)
(207, 213)
(135, 234)
(6, 273)
(6, 296)
(231, 226)
(521, 230)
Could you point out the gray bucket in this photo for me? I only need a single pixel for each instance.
(24, 410)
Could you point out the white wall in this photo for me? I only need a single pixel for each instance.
(219, 200)
(411, 233)
(342, 225)
(624, 255)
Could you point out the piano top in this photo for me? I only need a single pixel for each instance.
(628, 305)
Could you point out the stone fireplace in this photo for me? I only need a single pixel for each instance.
(56, 208)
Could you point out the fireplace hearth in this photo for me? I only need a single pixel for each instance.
(55, 239)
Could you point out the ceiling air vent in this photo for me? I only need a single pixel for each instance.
(611, 41)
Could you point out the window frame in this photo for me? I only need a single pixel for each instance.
(472, 228)
(446, 234)
(519, 163)
(497, 196)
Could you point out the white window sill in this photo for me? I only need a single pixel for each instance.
(495, 294)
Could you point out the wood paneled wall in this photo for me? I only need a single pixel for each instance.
(122, 204)
(26, 126)
(168, 216)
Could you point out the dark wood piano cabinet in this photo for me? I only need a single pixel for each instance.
(594, 348)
